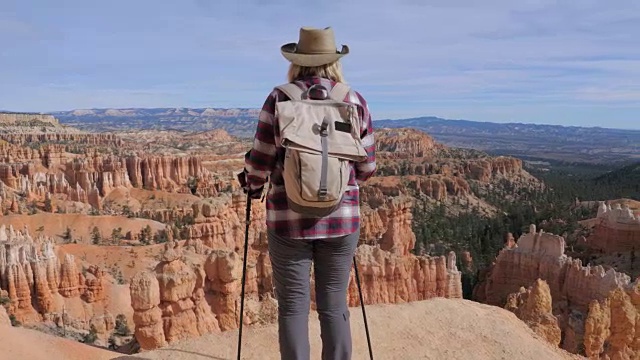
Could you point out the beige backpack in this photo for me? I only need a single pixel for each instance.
(321, 137)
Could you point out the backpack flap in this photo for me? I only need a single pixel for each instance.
(300, 123)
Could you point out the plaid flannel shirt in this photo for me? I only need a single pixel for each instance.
(265, 162)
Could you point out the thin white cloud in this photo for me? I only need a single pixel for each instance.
(616, 94)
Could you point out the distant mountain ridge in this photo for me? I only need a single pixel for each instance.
(234, 120)
(441, 125)
(534, 141)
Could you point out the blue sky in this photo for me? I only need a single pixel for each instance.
(548, 62)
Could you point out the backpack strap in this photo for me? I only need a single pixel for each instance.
(339, 92)
(322, 191)
(292, 90)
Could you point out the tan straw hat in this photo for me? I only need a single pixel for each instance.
(315, 47)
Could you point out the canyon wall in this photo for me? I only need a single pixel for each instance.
(541, 255)
(34, 175)
(585, 299)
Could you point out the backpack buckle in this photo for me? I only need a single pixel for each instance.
(323, 127)
(322, 194)
(317, 92)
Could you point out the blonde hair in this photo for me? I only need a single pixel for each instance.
(331, 71)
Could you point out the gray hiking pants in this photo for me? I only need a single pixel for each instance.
(291, 262)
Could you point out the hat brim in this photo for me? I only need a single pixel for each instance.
(310, 60)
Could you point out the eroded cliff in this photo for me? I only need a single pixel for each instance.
(41, 287)
(584, 299)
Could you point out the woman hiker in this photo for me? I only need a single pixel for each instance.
(296, 240)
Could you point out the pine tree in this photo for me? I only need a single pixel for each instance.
(67, 236)
(95, 236)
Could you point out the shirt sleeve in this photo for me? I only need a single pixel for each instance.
(261, 159)
(366, 169)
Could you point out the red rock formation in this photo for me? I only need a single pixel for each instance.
(413, 152)
(392, 278)
(405, 143)
(170, 304)
(177, 284)
(49, 155)
(437, 187)
(8, 176)
(611, 327)
(396, 219)
(223, 272)
(219, 222)
(15, 207)
(145, 300)
(596, 328)
(71, 137)
(95, 285)
(578, 293)
(163, 172)
(102, 172)
(617, 229)
(533, 306)
(541, 255)
(485, 170)
(90, 177)
(36, 282)
(69, 278)
(432, 187)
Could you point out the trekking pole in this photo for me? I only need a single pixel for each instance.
(364, 314)
(244, 270)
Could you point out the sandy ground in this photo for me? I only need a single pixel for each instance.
(433, 329)
(55, 225)
(128, 259)
(25, 344)
(149, 199)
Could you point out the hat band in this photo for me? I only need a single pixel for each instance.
(296, 49)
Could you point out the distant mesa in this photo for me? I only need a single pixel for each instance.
(158, 112)
(27, 119)
(32, 124)
(81, 112)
